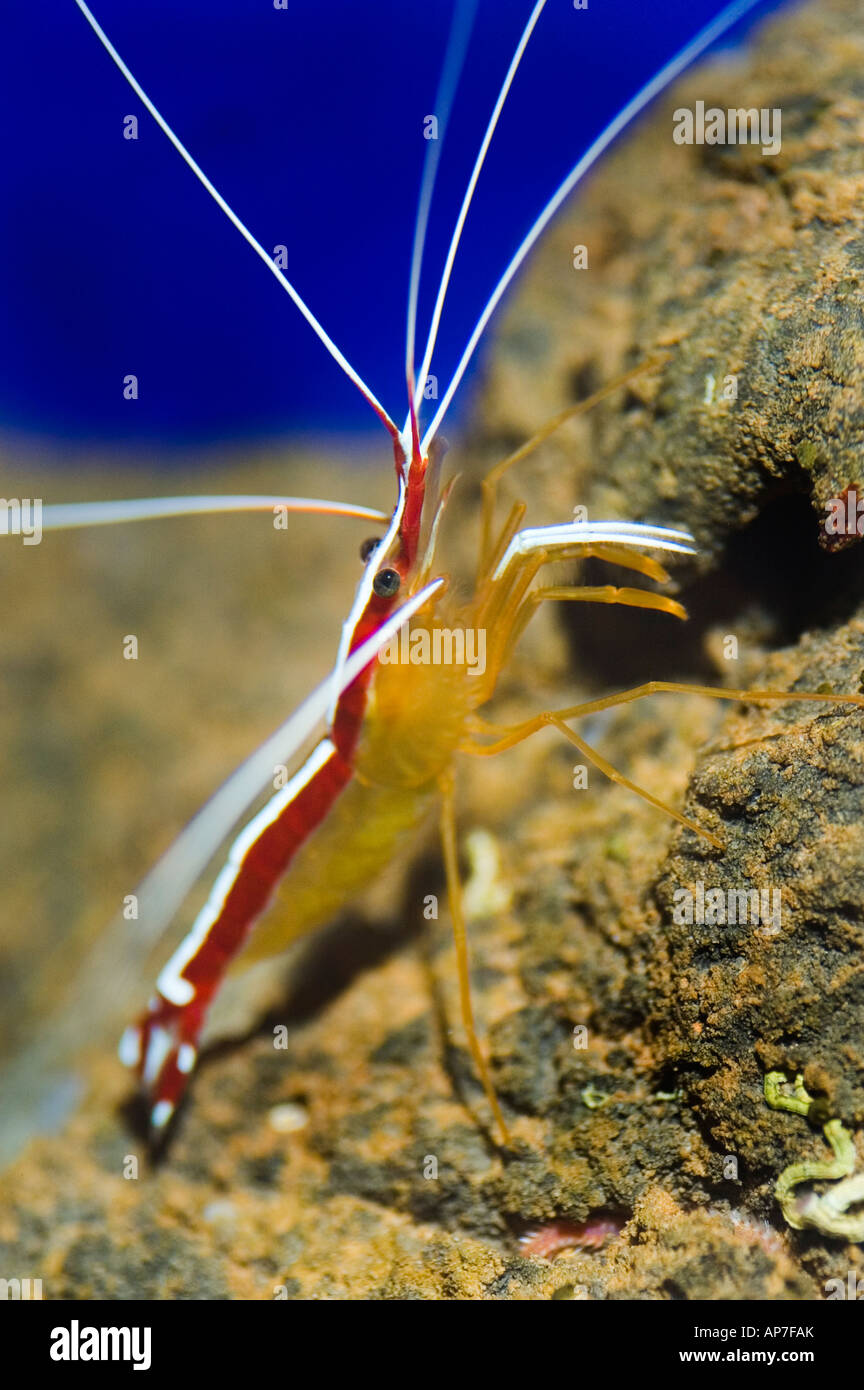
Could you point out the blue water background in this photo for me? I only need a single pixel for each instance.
(113, 260)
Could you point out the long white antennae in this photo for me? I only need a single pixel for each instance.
(63, 516)
(32, 1093)
(727, 17)
(454, 59)
(469, 194)
(241, 227)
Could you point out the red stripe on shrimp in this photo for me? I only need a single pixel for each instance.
(162, 1046)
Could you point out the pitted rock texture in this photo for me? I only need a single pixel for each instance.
(745, 268)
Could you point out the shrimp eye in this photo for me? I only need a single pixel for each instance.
(368, 546)
(386, 583)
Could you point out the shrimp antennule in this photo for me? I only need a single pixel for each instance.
(65, 516)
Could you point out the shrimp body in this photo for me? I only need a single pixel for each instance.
(325, 835)
(415, 718)
(368, 784)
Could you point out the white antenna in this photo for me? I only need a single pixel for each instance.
(454, 60)
(469, 194)
(727, 17)
(64, 516)
(241, 227)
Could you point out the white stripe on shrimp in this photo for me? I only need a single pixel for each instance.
(171, 983)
